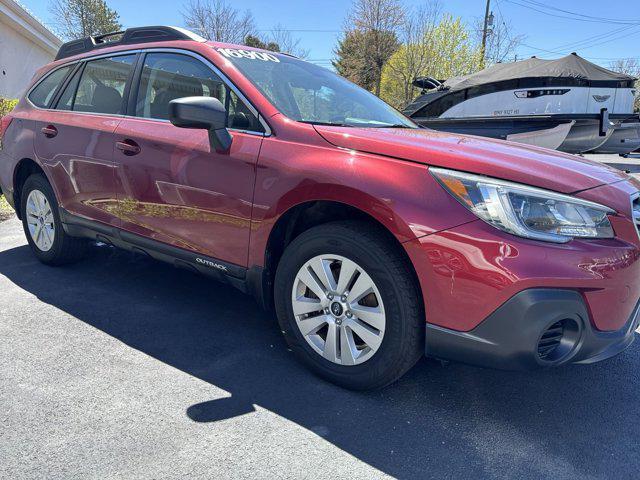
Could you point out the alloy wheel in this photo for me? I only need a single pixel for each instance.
(338, 309)
(40, 220)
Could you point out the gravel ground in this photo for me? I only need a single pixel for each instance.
(121, 367)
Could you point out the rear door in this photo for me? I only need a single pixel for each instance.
(173, 187)
(75, 135)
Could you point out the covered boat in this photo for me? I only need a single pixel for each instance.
(569, 104)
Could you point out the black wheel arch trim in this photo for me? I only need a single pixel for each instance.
(16, 190)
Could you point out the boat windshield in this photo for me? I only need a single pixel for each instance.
(308, 93)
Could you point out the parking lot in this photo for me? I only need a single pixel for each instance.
(120, 367)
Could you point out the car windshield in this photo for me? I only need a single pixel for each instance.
(312, 94)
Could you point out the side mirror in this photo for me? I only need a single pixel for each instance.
(204, 113)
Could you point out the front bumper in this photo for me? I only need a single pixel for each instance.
(511, 336)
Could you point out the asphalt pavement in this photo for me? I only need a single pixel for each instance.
(121, 367)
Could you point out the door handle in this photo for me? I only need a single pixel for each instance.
(49, 131)
(128, 147)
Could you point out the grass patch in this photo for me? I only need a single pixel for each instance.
(6, 105)
(5, 209)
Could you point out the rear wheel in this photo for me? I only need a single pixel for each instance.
(42, 225)
(349, 306)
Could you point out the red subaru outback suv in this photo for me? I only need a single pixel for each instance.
(375, 241)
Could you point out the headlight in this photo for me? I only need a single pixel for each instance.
(527, 211)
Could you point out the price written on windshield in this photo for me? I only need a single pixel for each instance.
(248, 54)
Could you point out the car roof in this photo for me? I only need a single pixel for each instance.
(137, 38)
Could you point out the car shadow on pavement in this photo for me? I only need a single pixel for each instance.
(451, 421)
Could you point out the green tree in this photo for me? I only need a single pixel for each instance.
(84, 18)
(354, 58)
(255, 42)
(6, 105)
(369, 40)
(444, 51)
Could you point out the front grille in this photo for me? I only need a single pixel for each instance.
(635, 210)
(550, 340)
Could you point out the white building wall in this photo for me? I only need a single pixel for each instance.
(25, 46)
(19, 60)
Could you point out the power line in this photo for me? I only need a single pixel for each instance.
(596, 39)
(590, 20)
(537, 49)
(612, 58)
(554, 52)
(583, 44)
(550, 7)
(586, 47)
(297, 30)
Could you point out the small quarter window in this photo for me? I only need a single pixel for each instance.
(42, 95)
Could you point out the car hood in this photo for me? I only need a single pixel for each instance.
(526, 164)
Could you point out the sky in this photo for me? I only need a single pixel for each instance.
(601, 31)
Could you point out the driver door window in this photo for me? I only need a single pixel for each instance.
(169, 76)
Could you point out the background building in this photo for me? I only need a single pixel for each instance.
(25, 45)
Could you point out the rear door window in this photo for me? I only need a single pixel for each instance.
(102, 85)
(43, 93)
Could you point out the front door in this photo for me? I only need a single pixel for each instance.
(172, 187)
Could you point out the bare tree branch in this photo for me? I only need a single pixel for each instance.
(502, 43)
(416, 33)
(219, 21)
(628, 66)
(286, 42)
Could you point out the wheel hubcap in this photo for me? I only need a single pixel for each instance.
(338, 309)
(40, 220)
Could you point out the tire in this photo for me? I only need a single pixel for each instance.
(394, 294)
(61, 249)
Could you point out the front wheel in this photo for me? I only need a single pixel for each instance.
(349, 306)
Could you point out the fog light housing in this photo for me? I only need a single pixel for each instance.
(558, 341)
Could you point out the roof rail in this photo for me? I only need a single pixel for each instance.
(128, 36)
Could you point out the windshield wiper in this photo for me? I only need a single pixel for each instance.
(392, 125)
(356, 125)
(327, 124)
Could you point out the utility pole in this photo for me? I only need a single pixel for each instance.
(483, 47)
